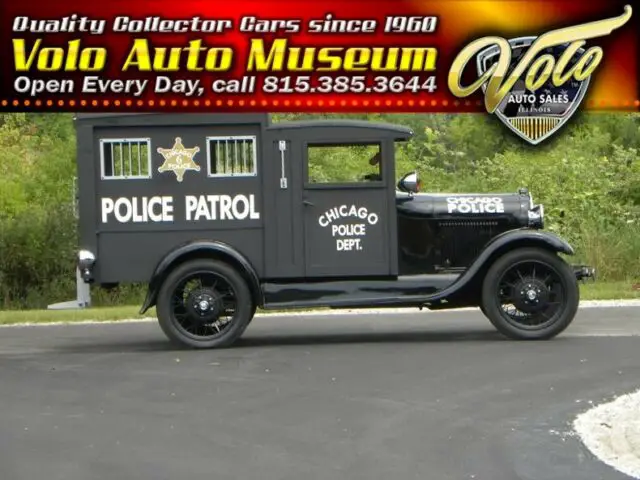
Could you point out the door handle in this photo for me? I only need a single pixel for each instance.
(307, 202)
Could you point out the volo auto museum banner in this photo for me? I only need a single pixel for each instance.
(532, 64)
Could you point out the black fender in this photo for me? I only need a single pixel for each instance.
(498, 246)
(201, 249)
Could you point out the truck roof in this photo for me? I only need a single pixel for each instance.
(154, 118)
(399, 132)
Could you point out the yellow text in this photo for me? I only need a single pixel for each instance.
(280, 56)
(194, 57)
(55, 59)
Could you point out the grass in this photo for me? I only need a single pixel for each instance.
(589, 291)
(9, 317)
(610, 290)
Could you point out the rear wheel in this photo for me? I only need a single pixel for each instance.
(204, 304)
(530, 294)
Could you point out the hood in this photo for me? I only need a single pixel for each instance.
(515, 208)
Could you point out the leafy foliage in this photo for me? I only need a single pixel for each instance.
(588, 178)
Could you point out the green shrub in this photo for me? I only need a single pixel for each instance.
(37, 256)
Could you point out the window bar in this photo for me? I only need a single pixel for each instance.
(223, 159)
(236, 164)
(130, 161)
(218, 156)
(245, 156)
(254, 155)
(230, 164)
(213, 161)
(139, 159)
(121, 160)
(113, 161)
(216, 145)
(226, 156)
(230, 159)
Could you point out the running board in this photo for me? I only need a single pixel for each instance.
(405, 291)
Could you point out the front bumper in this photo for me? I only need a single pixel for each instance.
(584, 272)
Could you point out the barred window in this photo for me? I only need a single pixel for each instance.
(125, 158)
(233, 156)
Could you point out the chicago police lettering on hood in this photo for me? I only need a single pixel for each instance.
(457, 204)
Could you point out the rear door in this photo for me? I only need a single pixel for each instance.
(345, 209)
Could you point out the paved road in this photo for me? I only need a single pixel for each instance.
(394, 396)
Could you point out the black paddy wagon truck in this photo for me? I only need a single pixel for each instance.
(223, 213)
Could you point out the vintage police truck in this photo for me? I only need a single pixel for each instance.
(223, 213)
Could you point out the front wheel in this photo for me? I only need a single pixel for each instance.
(204, 304)
(530, 294)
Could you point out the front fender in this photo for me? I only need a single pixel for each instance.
(200, 249)
(528, 236)
(501, 244)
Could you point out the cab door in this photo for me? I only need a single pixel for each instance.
(346, 207)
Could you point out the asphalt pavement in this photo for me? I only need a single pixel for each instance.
(380, 396)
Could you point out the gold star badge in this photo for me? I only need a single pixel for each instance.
(178, 159)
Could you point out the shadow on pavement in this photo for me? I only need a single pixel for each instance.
(367, 338)
(287, 340)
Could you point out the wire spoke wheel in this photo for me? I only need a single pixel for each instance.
(204, 303)
(530, 293)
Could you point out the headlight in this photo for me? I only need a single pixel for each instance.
(536, 217)
(86, 260)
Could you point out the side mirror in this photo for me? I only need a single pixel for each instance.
(409, 183)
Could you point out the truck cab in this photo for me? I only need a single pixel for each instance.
(221, 214)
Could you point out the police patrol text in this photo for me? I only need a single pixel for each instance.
(159, 209)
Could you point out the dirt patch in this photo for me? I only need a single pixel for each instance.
(611, 431)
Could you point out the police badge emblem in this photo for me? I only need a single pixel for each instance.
(178, 159)
(535, 115)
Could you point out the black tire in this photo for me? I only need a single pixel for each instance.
(221, 287)
(542, 288)
(253, 314)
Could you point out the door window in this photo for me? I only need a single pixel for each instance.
(344, 163)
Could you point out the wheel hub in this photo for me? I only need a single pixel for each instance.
(204, 305)
(531, 295)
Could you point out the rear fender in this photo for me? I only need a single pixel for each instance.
(201, 249)
(497, 247)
